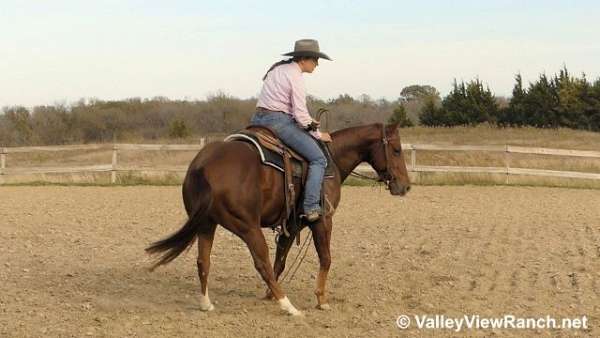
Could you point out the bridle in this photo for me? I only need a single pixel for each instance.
(387, 176)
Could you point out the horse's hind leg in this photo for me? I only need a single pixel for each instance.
(257, 245)
(283, 248)
(206, 235)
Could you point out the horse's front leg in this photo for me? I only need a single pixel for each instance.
(321, 237)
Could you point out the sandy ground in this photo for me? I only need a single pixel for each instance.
(72, 264)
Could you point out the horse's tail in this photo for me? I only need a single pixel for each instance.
(178, 242)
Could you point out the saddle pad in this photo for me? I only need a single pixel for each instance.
(267, 156)
(275, 160)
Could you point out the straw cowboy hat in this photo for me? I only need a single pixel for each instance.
(307, 47)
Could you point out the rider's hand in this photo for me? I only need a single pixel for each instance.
(325, 137)
(313, 125)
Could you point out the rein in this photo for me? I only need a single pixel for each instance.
(296, 264)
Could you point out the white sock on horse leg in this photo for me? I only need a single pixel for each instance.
(287, 306)
(205, 304)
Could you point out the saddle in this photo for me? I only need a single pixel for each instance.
(294, 167)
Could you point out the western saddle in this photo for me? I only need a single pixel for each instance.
(294, 167)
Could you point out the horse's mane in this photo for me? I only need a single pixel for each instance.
(353, 130)
(342, 135)
(349, 138)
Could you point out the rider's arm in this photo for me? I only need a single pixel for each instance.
(298, 98)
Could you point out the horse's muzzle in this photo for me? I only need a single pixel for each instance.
(398, 189)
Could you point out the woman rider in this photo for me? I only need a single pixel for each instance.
(282, 107)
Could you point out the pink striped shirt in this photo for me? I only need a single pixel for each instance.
(283, 90)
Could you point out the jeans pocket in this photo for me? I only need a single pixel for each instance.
(276, 121)
(260, 119)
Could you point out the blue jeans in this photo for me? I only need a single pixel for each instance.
(303, 143)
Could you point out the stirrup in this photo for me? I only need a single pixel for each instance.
(312, 216)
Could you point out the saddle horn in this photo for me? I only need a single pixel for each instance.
(320, 113)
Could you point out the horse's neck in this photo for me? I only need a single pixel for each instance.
(351, 146)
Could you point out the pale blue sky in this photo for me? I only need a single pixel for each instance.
(61, 51)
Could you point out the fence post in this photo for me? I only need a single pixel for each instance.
(507, 164)
(413, 161)
(202, 142)
(3, 153)
(113, 171)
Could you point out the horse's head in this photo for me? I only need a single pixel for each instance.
(386, 157)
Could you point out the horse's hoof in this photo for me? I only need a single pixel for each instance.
(324, 307)
(207, 307)
(296, 313)
(287, 306)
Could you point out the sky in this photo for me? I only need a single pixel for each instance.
(62, 51)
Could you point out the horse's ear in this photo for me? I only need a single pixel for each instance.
(392, 127)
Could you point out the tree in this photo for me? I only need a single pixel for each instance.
(365, 100)
(413, 99)
(342, 99)
(178, 129)
(592, 108)
(515, 114)
(541, 104)
(469, 104)
(416, 92)
(571, 103)
(20, 121)
(431, 115)
(399, 116)
(52, 124)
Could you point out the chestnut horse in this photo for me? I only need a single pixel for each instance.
(226, 184)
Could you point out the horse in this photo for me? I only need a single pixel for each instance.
(226, 184)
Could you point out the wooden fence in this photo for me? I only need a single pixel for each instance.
(412, 166)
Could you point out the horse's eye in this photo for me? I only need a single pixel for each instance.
(397, 152)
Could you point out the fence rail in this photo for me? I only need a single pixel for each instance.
(412, 166)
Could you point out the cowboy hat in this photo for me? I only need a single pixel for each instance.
(307, 47)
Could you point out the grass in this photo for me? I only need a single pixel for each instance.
(484, 179)
(131, 178)
(427, 179)
(488, 135)
(480, 135)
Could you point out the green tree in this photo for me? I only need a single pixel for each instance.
(541, 104)
(571, 103)
(515, 114)
(399, 116)
(178, 129)
(592, 108)
(470, 104)
(431, 115)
